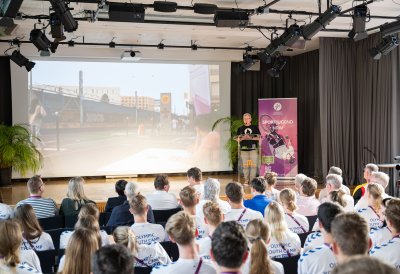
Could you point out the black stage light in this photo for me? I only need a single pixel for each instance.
(40, 40)
(265, 58)
(277, 67)
(165, 6)
(247, 62)
(310, 30)
(384, 47)
(62, 11)
(57, 28)
(291, 35)
(21, 60)
(202, 8)
(54, 46)
(359, 21)
(390, 28)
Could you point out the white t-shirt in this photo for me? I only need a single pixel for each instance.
(30, 258)
(371, 217)
(200, 190)
(273, 195)
(293, 226)
(363, 202)
(204, 247)
(277, 267)
(224, 205)
(151, 255)
(388, 252)
(66, 235)
(19, 269)
(313, 240)
(318, 260)
(201, 226)
(6, 212)
(42, 243)
(185, 266)
(323, 194)
(349, 202)
(291, 244)
(380, 236)
(161, 200)
(147, 233)
(243, 216)
(308, 206)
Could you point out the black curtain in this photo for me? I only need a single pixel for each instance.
(5, 91)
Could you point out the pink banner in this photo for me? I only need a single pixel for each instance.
(277, 120)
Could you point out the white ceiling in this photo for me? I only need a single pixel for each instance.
(210, 36)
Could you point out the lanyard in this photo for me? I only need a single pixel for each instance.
(199, 266)
(284, 249)
(241, 215)
(374, 212)
(141, 262)
(294, 219)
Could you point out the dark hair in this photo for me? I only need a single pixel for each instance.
(259, 184)
(113, 259)
(229, 244)
(364, 264)
(195, 173)
(120, 187)
(234, 192)
(335, 170)
(160, 181)
(326, 213)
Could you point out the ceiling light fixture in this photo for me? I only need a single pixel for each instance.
(384, 47)
(277, 67)
(310, 30)
(63, 13)
(40, 40)
(21, 60)
(360, 17)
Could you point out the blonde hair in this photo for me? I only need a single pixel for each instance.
(275, 217)
(258, 234)
(288, 198)
(10, 239)
(82, 245)
(188, 196)
(26, 217)
(89, 209)
(138, 204)
(213, 213)
(125, 236)
(181, 227)
(75, 189)
(337, 196)
(271, 178)
(375, 191)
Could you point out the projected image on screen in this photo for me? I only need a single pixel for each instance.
(102, 118)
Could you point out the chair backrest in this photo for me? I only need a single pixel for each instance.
(47, 260)
(289, 264)
(54, 222)
(104, 217)
(303, 237)
(70, 221)
(143, 270)
(163, 215)
(171, 249)
(311, 221)
(55, 236)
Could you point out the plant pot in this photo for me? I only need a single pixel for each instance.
(5, 176)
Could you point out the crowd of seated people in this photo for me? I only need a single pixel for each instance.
(259, 235)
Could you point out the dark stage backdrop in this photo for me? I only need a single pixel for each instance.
(5, 91)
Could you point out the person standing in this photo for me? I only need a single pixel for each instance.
(248, 137)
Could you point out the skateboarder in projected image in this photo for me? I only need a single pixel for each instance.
(280, 146)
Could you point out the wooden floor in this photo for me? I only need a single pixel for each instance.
(100, 189)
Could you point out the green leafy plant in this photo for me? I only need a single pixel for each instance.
(17, 149)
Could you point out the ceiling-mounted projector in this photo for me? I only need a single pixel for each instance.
(131, 56)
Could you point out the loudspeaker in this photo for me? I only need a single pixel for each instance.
(126, 12)
(231, 18)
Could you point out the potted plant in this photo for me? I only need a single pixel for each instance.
(18, 152)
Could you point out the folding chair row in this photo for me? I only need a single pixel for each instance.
(60, 221)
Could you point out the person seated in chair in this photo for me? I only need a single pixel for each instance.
(161, 199)
(116, 201)
(76, 198)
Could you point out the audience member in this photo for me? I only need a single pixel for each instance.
(76, 198)
(337, 197)
(147, 255)
(160, 199)
(10, 259)
(296, 222)
(359, 191)
(307, 203)
(195, 179)
(43, 207)
(378, 177)
(33, 236)
(284, 243)
(389, 252)
(334, 182)
(324, 193)
(381, 235)
(6, 212)
(116, 201)
(372, 213)
(146, 233)
(211, 193)
(229, 247)
(271, 192)
(258, 235)
(239, 213)
(365, 265)
(298, 180)
(181, 229)
(259, 202)
(121, 214)
(213, 216)
(112, 259)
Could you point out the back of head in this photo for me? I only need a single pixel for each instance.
(380, 178)
(350, 232)
(88, 222)
(120, 187)
(89, 209)
(375, 192)
(326, 213)
(234, 191)
(75, 189)
(259, 184)
(213, 213)
(125, 236)
(131, 189)
(10, 239)
(195, 173)
(113, 259)
(188, 196)
(287, 196)
(337, 196)
(275, 217)
(365, 265)
(298, 180)
(34, 184)
(138, 204)
(392, 213)
(161, 181)
(334, 180)
(335, 170)
(211, 189)
(309, 187)
(81, 246)
(26, 217)
(371, 168)
(229, 245)
(271, 178)
(181, 228)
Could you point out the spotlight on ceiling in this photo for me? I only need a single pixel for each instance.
(277, 67)
(384, 47)
(63, 13)
(40, 40)
(57, 28)
(165, 6)
(321, 22)
(361, 13)
(21, 60)
(248, 60)
(265, 58)
(291, 35)
(390, 28)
